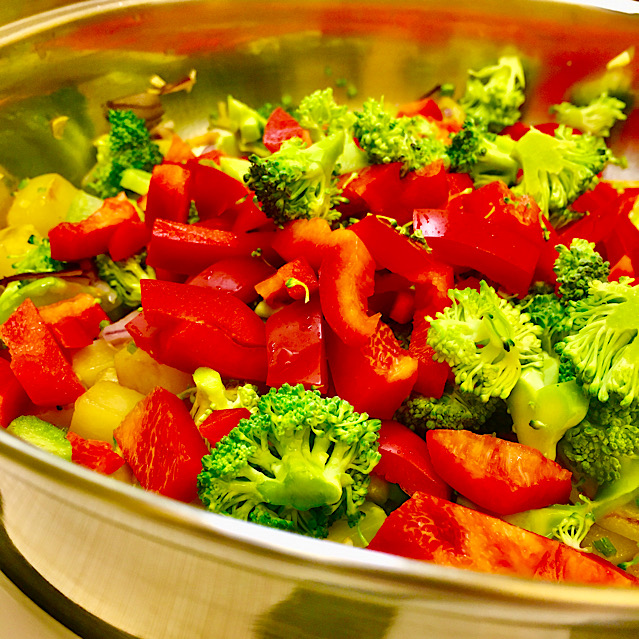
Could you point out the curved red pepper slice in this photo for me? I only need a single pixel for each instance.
(221, 422)
(406, 461)
(169, 195)
(304, 238)
(432, 529)
(346, 280)
(276, 290)
(282, 126)
(375, 377)
(94, 454)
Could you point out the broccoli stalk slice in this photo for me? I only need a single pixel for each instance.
(543, 409)
(297, 182)
(486, 340)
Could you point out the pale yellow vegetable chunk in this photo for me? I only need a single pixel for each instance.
(14, 243)
(93, 362)
(138, 370)
(100, 410)
(43, 202)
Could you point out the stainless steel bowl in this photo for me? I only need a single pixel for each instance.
(112, 561)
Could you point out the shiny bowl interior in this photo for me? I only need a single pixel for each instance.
(111, 561)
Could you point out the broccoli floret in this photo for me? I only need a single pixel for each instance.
(603, 348)
(412, 141)
(546, 311)
(300, 458)
(558, 169)
(298, 182)
(211, 394)
(542, 408)
(486, 340)
(38, 259)
(128, 145)
(455, 409)
(494, 94)
(124, 277)
(485, 156)
(596, 447)
(596, 118)
(576, 267)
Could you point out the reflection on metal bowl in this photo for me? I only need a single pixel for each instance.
(111, 561)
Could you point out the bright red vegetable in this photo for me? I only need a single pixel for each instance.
(169, 195)
(295, 344)
(94, 454)
(221, 422)
(406, 461)
(13, 399)
(161, 443)
(501, 476)
(374, 377)
(36, 359)
(71, 241)
(282, 126)
(432, 529)
(304, 238)
(294, 280)
(346, 282)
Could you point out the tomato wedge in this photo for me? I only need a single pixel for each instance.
(501, 476)
(432, 529)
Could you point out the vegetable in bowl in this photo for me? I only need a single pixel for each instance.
(354, 281)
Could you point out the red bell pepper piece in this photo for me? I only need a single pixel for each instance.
(169, 196)
(489, 230)
(221, 422)
(432, 529)
(500, 476)
(236, 275)
(346, 280)
(144, 334)
(190, 248)
(295, 345)
(36, 359)
(161, 443)
(458, 183)
(375, 377)
(403, 307)
(71, 241)
(13, 400)
(406, 461)
(388, 287)
(426, 107)
(188, 345)
(427, 187)
(94, 454)
(129, 238)
(248, 216)
(166, 303)
(304, 238)
(282, 126)
(75, 322)
(394, 251)
(281, 287)
(431, 374)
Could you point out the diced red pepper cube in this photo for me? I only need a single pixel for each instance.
(169, 196)
(36, 359)
(13, 399)
(294, 280)
(94, 454)
(162, 445)
(221, 422)
(282, 126)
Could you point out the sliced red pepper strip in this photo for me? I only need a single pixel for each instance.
(406, 461)
(13, 399)
(189, 345)
(94, 454)
(189, 248)
(426, 107)
(275, 290)
(282, 126)
(304, 238)
(403, 307)
(295, 344)
(72, 241)
(128, 239)
(169, 196)
(432, 529)
(236, 275)
(144, 334)
(221, 422)
(431, 375)
(346, 280)
(166, 303)
(394, 251)
(500, 476)
(375, 377)
(161, 443)
(36, 359)
(75, 322)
